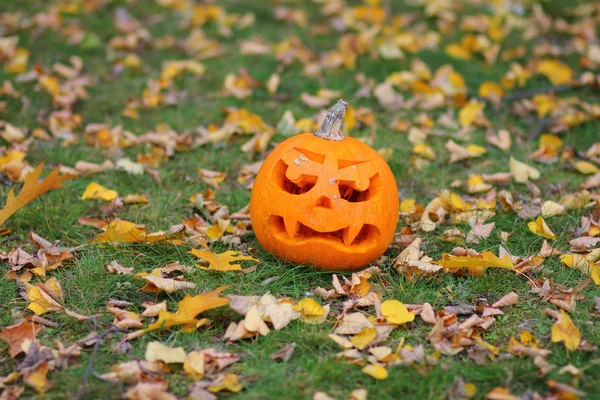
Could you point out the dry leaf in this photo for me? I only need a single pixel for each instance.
(565, 331)
(31, 190)
(156, 351)
(509, 299)
(16, 334)
(221, 261)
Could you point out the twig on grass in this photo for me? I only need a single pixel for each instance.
(523, 94)
(83, 388)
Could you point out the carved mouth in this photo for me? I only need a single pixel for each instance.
(297, 231)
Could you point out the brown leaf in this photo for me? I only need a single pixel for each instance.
(284, 353)
(16, 334)
(150, 391)
(116, 268)
(509, 299)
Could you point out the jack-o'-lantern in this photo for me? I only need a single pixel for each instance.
(325, 200)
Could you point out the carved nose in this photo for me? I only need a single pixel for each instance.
(323, 202)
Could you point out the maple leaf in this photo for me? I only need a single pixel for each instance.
(16, 334)
(565, 331)
(188, 310)
(222, 261)
(32, 190)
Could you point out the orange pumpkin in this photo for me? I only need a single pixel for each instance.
(325, 200)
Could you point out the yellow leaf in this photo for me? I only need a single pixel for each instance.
(545, 104)
(522, 172)
(476, 184)
(188, 309)
(396, 313)
(469, 112)
(45, 297)
(557, 72)
(565, 331)
(586, 167)
(38, 379)
(226, 381)
(222, 261)
(457, 51)
(156, 351)
(407, 205)
(127, 232)
(582, 263)
(311, 312)
(309, 307)
(490, 90)
(423, 150)
(375, 371)
(362, 340)
(136, 199)
(540, 228)
(18, 64)
(470, 390)
(31, 190)
(476, 263)
(194, 365)
(98, 192)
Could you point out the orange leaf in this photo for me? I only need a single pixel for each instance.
(31, 190)
(15, 335)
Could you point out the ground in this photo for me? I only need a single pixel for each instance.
(196, 100)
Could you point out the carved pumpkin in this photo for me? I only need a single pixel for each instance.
(325, 199)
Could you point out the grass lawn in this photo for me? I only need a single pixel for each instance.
(124, 47)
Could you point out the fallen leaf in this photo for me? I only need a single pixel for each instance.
(509, 299)
(32, 190)
(156, 351)
(522, 172)
(188, 309)
(149, 391)
(540, 228)
(565, 331)
(222, 261)
(375, 371)
(396, 313)
(115, 268)
(557, 72)
(16, 334)
(363, 338)
(285, 353)
(469, 112)
(98, 192)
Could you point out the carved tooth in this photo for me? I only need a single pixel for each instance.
(291, 226)
(350, 233)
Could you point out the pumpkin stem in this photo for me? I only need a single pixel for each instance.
(332, 124)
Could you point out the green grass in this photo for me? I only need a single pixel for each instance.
(88, 286)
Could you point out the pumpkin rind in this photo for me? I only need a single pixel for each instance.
(332, 204)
